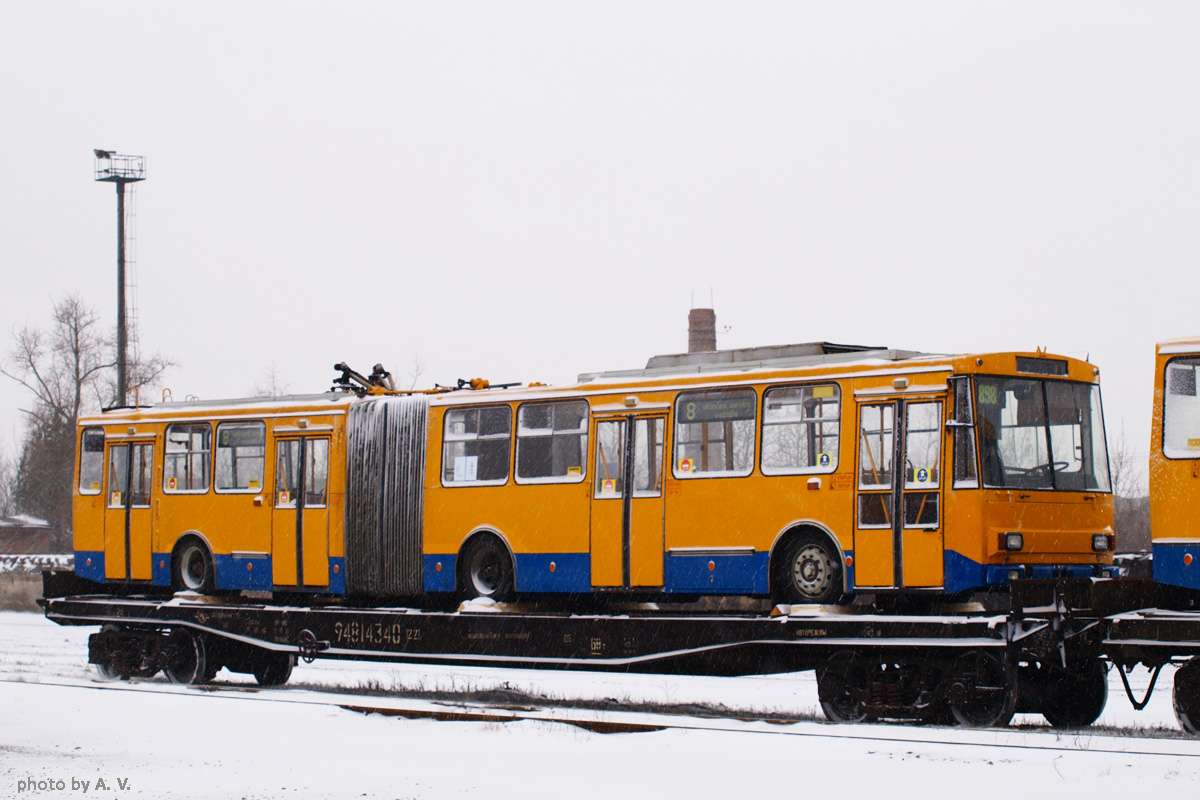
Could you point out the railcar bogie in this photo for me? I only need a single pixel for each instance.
(1185, 698)
(980, 691)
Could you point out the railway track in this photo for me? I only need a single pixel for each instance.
(1023, 738)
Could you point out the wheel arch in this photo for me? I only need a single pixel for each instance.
(802, 526)
(476, 534)
(192, 534)
(175, 547)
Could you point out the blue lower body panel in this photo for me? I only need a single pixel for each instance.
(253, 574)
(554, 572)
(439, 573)
(962, 573)
(1177, 564)
(714, 573)
(90, 564)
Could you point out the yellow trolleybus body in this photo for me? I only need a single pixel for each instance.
(803, 472)
(1175, 464)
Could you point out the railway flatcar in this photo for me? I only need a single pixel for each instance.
(803, 473)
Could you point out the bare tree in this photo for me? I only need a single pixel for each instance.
(270, 383)
(416, 371)
(1128, 469)
(69, 369)
(8, 479)
(63, 367)
(1131, 506)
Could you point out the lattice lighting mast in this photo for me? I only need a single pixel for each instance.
(122, 171)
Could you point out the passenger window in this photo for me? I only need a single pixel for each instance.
(552, 442)
(800, 429)
(714, 433)
(476, 443)
(187, 455)
(241, 456)
(91, 461)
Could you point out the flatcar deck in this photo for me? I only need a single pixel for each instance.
(1049, 655)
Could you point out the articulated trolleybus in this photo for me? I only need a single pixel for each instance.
(804, 473)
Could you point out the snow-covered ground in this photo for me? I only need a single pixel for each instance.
(56, 724)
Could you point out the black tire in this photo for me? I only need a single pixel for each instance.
(186, 661)
(843, 687)
(1186, 696)
(980, 692)
(273, 669)
(192, 567)
(1076, 698)
(807, 569)
(485, 570)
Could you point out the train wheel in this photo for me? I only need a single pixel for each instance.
(1074, 699)
(1186, 697)
(192, 567)
(487, 569)
(842, 687)
(980, 693)
(186, 662)
(273, 669)
(808, 570)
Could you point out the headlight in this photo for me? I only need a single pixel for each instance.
(1011, 541)
(1101, 542)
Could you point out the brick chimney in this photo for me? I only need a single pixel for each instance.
(702, 330)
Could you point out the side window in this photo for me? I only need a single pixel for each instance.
(963, 425)
(1181, 409)
(187, 457)
(800, 429)
(714, 433)
(241, 456)
(91, 460)
(552, 442)
(476, 445)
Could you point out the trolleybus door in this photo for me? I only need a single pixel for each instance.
(898, 537)
(300, 521)
(627, 502)
(127, 516)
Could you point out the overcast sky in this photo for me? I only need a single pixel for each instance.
(525, 191)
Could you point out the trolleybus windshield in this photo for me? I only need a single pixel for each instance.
(1041, 434)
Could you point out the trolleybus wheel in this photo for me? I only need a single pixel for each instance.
(273, 669)
(185, 658)
(808, 570)
(842, 687)
(192, 567)
(979, 692)
(1186, 697)
(487, 569)
(1074, 699)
